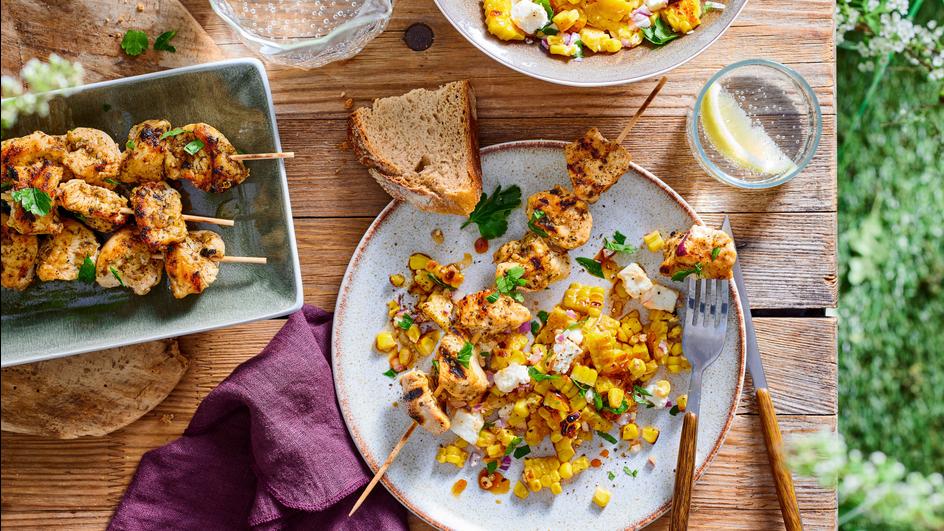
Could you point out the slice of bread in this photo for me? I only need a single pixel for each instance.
(423, 147)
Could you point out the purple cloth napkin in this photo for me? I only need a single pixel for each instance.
(267, 449)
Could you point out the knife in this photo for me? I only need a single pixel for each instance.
(773, 439)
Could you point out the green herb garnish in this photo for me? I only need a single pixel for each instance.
(539, 376)
(579, 44)
(173, 132)
(617, 411)
(33, 200)
(542, 315)
(465, 355)
(130, 144)
(640, 394)
(546, 4)
(618, 244)
(491, 213)
(597, 401)
(715, 251)
(674, 411)
(436, 280)
(134, 43)
(536, 216)
(194, 146)
(535, 328)
(680, 275)
(493, 297)
(511, 446)
(592, 266)
(611, 475)
(522, 451)
(508, 283)
(659, 32)
(390, 373)
(114, 273)
(405, 321)
(549, 29)
(607, 437)
(491, 466)
(87, 270)
(630, 472)
(162, 42)
(436, 364)
(111, 181)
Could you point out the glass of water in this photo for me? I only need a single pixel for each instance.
(755, 124)
(305, 33)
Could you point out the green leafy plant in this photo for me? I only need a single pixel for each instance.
(491, 212)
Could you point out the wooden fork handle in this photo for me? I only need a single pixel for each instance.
(786, 494)
(684, 471)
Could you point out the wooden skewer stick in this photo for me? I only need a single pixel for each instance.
(632, 121)
(264, 156)
(194, 218)
(387, 462)
(245, 259)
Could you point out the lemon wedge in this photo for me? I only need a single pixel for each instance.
(735, 136)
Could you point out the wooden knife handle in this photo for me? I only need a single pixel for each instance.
(786, 494)
(684, 471)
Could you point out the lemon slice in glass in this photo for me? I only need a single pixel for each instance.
(737, 138)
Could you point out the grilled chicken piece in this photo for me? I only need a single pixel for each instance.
(99, 207)
(543, 264)
(192, 264)
(480, 319)
(18, 253)
(465, 383)
(595, 164)
(143, 157)
(25, 150)
(92, 156)
(564, 217)
(126, 261)
(61, 256)
(421, 404)
(158, 213)
(42, 175)
(695, 251)
(210, 167)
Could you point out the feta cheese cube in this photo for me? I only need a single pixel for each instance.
(660, 298)
(467, 425)
(635, 281)
(528, 16)
(507, 379)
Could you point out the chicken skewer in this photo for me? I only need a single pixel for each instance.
(568, 212)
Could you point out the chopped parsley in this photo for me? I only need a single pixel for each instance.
(616, 411)
(674, 411)
(491, 466)
(134, 43)
(539, 376)
(618, 244)
(436, 364)
(549, 29)
(114, 273)
(542, 315)
(493, 297)
(608, 438)
(592, 266)
(611, 475)
(659, 32)
(640, 394)
(522, 451)
(715, 251)
(546, 4)
(130, 144)
(511, 446)
(579, 53)
(438, 281)
(536, 216)
(173, 132)
(162, 42)
(508, 283)
(87, 270)
(535, 328)
(465, 355)
(491, 213)
(111, 181)
(597, 401)
(630, 472)
(680, 275)
(390, 373)
(405, 321)
(33, 200)
(194, 146)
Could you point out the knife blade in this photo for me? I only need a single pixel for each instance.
(773, 439)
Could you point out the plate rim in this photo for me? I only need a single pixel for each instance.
(298, 299)
(340, 307)
(585, 84)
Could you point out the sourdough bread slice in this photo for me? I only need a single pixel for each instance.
(422, 147)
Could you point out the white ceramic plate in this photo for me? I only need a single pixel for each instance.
(596, 70)
(638, 204)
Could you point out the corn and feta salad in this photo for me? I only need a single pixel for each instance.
(571, 28)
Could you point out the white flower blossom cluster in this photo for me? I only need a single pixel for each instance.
(876, 489)
(40, 77)
(884, 28)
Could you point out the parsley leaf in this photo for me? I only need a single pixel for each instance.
(87, 270)
(405, 321)
(535, 328)
(640, 394)
(173, 132)
(592, 266)
(390, 373)
(680, 275)
(617, 411)
(618, 244)
(111, 181)
(674, 411)
(134, 43)
(546, 4)
(579, 44)
(162, 42)
(508, 283)
(715, 251)
(436, 364)
(130, 144)
(493, 297)
(511, 446)
(542, 315)
(536, 216)
(607, 437)
(465, 355)
(659, 32)
(194, 146)
(114, 273)
(33, 200)
(630, 472)
(436, 280)
(611, 475)
(597, 401)
(539, 376)
(491, 466)
(549, 29)
(491, 213)
(522, 451)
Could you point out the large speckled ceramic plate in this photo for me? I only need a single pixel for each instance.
(55, 319)
(638, 204)
(627, 66)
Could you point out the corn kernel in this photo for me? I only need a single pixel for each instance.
(637, 367)
(427, 342)
(392, 308)
(650, 434)
(584, 375)
(565, 19)
(662, 388)
(385, 342)
(521, 490)
(418, 261)
(556, 488)
(413, 333)
(630, 432)
(397, 280)
(601, 497)
(654, 241)
(566, 470)
(405, 356)
(615, 397)
(682, 402)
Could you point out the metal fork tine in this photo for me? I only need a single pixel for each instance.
(702, 302)
(692, 293)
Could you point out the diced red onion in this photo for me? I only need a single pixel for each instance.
(681, 250)
(568, 38)
(572, 314)
(625, 43)
(641, 21)
(544, 44)
(644, 11)
(525, 327)
(506, 462)
(490, 376)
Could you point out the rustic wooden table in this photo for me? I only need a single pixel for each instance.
(787, 236)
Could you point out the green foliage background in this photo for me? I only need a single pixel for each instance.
(891, 255)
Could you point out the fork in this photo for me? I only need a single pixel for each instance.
(706, 321)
